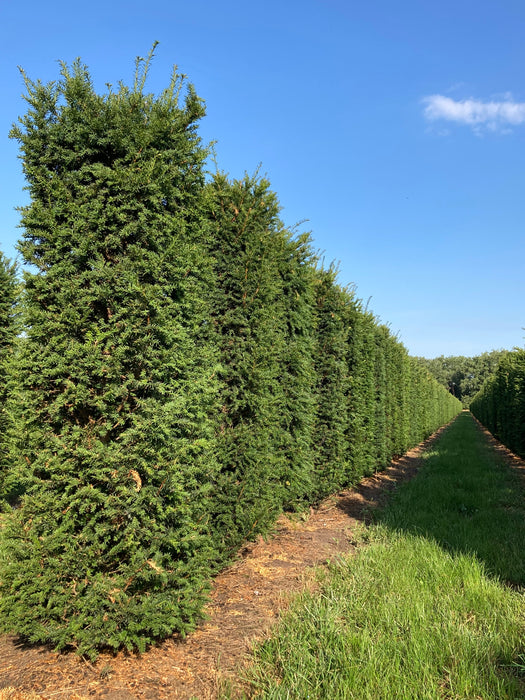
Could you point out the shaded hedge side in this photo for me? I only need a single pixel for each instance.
(188, 371)
(500, 404)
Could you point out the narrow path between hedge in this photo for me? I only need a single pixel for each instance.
(432, 607)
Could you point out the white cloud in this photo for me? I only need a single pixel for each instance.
(493, 115)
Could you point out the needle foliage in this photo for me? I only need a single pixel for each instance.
(109, 546)
(8, 332)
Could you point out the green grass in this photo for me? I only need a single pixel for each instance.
(468, 500)
(424, 610)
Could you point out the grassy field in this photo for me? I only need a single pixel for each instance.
(431, 607)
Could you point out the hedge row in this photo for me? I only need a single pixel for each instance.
(187, 371)
(500, 404)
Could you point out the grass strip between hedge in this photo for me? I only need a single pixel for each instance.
(425, 610)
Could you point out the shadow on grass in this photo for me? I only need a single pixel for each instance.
(467, 498)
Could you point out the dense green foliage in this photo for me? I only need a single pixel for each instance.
(115, 375)
(187, 370)
(266, 388)
(335, 312)
(422, 611)
(8, 298)
(463, 376)
(500, 404)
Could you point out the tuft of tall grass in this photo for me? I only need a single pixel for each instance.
(422, 611)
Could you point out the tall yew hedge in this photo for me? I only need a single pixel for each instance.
(500, 404)
(334, 322)
(298, 373)
(187, 370)
(248, 317)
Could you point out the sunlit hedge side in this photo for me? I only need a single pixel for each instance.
(500, 404)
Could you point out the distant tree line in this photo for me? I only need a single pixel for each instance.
(182, 371)
(463, 376)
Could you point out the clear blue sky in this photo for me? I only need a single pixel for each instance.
(397, 130)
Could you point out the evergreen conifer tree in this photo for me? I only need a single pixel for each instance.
(110, 546)
(380, 384)
(8, 297)
(335, 309)
(361, 427)
(298, 371)
(8, 330)
(249, 318)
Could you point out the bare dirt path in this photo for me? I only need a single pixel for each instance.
(246, 599)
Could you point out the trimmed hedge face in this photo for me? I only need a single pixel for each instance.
(500, 404)
(188, 371)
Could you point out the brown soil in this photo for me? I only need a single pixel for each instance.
(245, 601)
